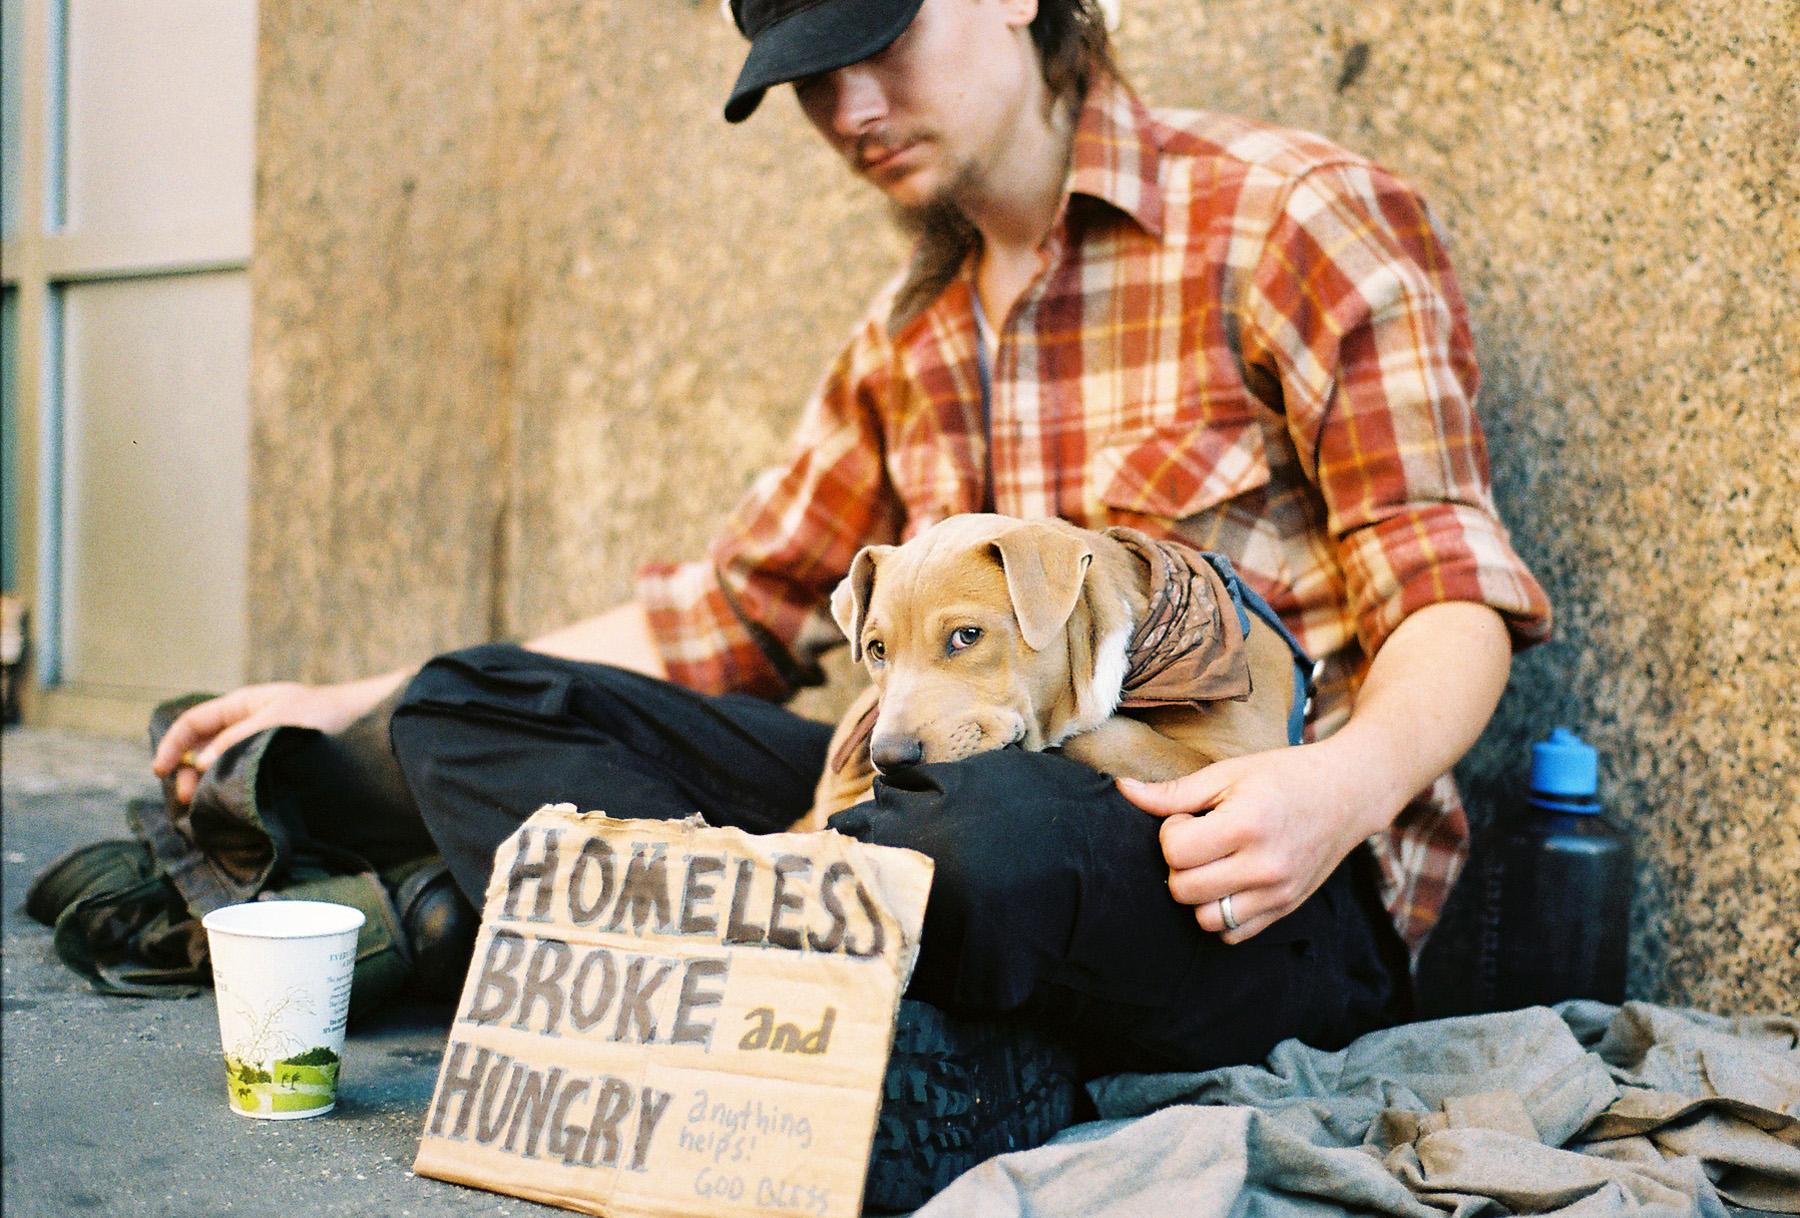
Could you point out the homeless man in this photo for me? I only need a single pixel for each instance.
(1202, 327)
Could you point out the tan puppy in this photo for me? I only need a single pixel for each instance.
(985, 631)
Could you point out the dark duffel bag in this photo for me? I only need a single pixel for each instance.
(127, 912)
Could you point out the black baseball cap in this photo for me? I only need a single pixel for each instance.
(792, 39)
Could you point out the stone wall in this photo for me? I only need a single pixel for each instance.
(528, 313)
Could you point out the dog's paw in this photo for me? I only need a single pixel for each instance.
(1126, 748)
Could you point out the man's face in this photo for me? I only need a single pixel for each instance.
(924, 119)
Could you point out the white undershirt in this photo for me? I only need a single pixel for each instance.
(990, 342)
(987, 347)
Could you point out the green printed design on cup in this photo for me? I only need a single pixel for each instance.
(298, 1083)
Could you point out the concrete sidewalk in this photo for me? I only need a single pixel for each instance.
(116, 1106)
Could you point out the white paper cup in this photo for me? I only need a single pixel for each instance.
(281, 970)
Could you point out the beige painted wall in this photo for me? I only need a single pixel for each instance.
(527, 313)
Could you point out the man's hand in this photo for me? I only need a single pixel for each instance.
(196, 740)
(1265, 829)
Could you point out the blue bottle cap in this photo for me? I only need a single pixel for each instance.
(1564, 765)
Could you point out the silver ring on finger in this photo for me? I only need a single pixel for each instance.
(1231, 923)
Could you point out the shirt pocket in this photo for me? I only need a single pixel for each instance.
(1177, 471)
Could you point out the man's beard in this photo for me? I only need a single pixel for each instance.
(942, 237)
(939, 215)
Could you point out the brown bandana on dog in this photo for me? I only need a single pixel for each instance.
(1189, 648)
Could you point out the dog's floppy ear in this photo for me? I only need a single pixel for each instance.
(1044, 568)
(850, 600)
(1099, 632)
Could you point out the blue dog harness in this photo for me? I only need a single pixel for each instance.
(1246, 600)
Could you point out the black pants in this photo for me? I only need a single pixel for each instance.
(1049, 900)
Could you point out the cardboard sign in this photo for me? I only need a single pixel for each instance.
(663, 1018)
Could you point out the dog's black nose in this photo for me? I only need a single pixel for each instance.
(896, 752)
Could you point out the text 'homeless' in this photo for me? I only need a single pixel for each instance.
(784, 905)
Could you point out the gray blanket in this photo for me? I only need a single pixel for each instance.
(1583, 1110)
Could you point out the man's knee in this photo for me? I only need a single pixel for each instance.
(994, 822)
(1000, 789)
(480, 667)
(483, 657)
(500, 682)
(1021, 842)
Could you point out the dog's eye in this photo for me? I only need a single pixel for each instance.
(964, 637)
(877, 650)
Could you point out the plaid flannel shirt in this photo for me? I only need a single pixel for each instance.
(1243, 338)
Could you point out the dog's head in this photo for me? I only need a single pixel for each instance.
(985, 631)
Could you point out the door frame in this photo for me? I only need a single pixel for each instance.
(39, 256)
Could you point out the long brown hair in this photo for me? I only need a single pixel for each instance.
(1073, 47)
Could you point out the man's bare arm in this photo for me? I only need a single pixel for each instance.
(1277, 824)
(620, 636)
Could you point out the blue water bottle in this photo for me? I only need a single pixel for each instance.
(1559, 916)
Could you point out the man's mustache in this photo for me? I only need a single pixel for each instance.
(876, 146)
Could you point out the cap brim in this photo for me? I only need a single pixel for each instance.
(822, 38)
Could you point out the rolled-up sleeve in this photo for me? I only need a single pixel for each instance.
(752, 616)
(1355, 311)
